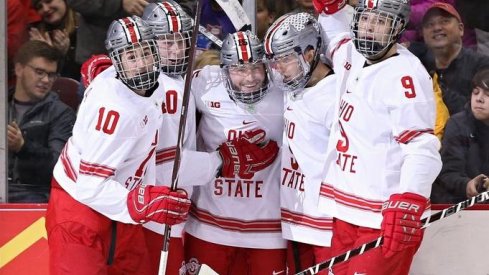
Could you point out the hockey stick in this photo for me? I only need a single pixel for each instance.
(181, 133)
(484, 196)
(236, 14)
(210, 36)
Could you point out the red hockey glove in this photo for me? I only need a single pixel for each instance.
(247, 155)
(158, 204)
(328, 6)
(401, 225)
(93, 66)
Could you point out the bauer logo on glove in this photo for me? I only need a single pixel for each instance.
(247, 155)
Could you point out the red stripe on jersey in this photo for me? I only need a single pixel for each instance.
(341, 43)
(130, 29)
(174, 20)
(166, 155)
(67, 165)
(254, 226)
(94, 169)
(301, 219)
(268, 38)
(349, 199)
(243, 45)
(408, 135)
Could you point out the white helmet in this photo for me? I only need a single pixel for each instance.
(393, 15)
(132, 49)
(242, 52)
(285, 43)
(173, 28)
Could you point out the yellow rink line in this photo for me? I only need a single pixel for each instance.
(22, 241)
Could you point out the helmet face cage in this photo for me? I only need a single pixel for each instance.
(377, 25)
(246, 83)
(173, 28)
(289, 71)
(174, 51)
(243, 69)
(137, 65)
(286, 41)
(133, 51)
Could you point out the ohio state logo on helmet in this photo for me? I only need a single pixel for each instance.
(173, 16)
(243, 46)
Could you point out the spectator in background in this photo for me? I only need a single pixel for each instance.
(445, 55)
(266, 13)
(418, 9)
(465, 147)
(95, 18)
(58, 28)
(305, 6)
(17, 23)
(413, 31)
(39, 123)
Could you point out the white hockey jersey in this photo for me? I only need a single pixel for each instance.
(234, 211)
(113, 146)
(308, 118)
(382, 139)
(173, 89)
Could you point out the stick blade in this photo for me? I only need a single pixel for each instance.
(206, 270)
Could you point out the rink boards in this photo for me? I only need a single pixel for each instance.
(455, 245)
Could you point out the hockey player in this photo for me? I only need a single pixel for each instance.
(293, 45)
(237, 215)
(383, 156)
(103, 184)
(173, 29)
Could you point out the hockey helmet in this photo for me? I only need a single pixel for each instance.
(242, 58)
(286, 42)
(133, 51)
(173, 28)
(377, 25)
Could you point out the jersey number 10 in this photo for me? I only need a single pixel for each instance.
(107, 122)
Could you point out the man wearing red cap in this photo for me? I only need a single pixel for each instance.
(445, 55)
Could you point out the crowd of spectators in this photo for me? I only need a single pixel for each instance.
(450, 37)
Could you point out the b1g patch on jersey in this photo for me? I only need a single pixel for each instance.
(213, 104)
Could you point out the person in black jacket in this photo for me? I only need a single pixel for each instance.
(39, 123)
(445, 55)
(465, 148)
